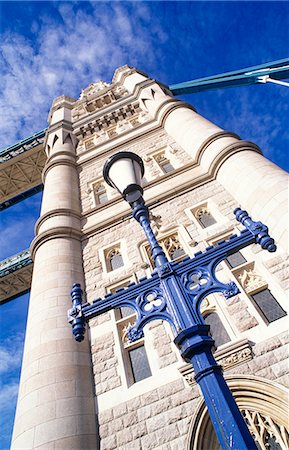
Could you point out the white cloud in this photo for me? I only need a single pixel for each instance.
(10, 360)
(10, 355)
(70, 49)
(8, 395)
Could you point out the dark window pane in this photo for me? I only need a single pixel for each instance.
(206, 219)
(236, 259)
(167, 167)
(268, 305)
(217, 329)
(139, 363)
(272, 444)
(126, 311)
(177, 253)
(102, 198)
(116, 261)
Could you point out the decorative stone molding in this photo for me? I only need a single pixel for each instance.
(119, 120)
(95, 97)
(249, 279)
(124, 71)
(230, 355)
(53, 233)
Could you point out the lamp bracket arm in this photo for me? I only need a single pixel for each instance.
(257, 229)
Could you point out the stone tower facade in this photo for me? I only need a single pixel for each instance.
(106, 392)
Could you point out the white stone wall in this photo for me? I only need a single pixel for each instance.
(138, 115)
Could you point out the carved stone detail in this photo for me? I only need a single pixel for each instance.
(250, 280)
(97, 96)
(112, 124)
(230, 355)
(266, 430)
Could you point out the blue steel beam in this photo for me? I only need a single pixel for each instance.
(279, 70)
(21, 197)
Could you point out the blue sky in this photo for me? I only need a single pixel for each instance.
(54, 48)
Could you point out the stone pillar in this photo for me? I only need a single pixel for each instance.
(257, 184)
(55, 407)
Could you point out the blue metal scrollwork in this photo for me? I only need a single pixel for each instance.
(174, 293)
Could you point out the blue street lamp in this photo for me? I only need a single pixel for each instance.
(174, 293)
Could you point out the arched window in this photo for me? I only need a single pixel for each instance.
(217, 329)
(136, 363)
(256, 288)
(204, 217)
(264, 407)
(100, 193)
(171, 246)
(114, 259)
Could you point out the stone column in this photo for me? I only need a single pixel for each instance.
(257, 184)
(55, 407)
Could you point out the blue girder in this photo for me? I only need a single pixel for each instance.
(279, 70)
(19, 198)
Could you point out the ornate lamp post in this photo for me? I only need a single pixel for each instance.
(174, 293)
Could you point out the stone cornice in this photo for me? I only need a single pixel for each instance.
(54, 160)
(55, 213)
(53, 233)
(107, 118)
(229, 151)
(117, 143)
(168, 106)
(179, 189)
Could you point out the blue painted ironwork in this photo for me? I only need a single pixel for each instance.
(23, 196)
(15, 262)
(22, 146)
(250, 75)
(75, 314)
(174, 293)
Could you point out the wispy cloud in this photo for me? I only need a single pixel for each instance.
(63, 53)
(10, 359)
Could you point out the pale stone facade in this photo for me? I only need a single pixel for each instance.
(195, 175)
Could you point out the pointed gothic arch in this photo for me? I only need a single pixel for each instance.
(264, 405)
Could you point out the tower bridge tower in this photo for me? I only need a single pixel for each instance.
(109, 393)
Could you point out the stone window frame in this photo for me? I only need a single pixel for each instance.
(119, 244)
(93, 195)
(154, 169)
(232, 273)
(253, 308)
(214, 303)
(214, 229)
(259, 286)
(124, 347)
(183, 237)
